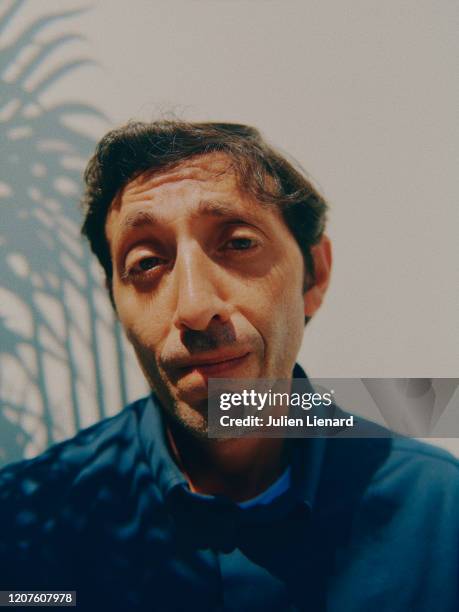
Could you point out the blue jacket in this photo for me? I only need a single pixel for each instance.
(367, 524)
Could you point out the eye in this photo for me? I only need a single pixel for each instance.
(143, 267)
(240, 244)
(148, 263)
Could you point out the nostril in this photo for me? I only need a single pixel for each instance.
(201, 313)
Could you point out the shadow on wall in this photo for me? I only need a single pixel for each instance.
(61, 352)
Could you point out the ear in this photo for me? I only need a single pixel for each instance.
(321, 255)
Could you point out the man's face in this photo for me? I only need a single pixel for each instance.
(207, 283)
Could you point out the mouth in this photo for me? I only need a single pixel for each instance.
(214, 366)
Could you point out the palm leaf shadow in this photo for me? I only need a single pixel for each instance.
(40, 253)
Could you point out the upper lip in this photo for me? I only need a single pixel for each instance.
(209, 359)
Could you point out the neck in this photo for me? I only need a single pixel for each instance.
(238, 468)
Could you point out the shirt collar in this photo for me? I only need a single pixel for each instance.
(152, 432)
(305, 456)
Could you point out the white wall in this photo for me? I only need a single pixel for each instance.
(362, 93)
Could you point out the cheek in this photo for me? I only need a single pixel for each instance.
(144, 336)
(143, 324)
(290, 314)
(285, 314)
(285, 288)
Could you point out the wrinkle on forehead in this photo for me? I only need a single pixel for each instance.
(198, 168)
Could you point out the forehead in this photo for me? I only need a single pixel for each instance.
(212, 172)
(204, 185)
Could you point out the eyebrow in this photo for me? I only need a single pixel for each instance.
(210, 208)
(219, 208)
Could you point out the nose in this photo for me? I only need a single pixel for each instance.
(198, 287)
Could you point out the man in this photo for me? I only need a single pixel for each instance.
(215, 256)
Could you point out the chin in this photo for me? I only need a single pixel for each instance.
(189, 414)
(192, 420)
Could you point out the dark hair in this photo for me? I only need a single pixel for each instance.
(126, 152)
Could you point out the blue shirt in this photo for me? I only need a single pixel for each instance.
(366, 523)
(278, 488)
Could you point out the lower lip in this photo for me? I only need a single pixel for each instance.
(212, 369)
